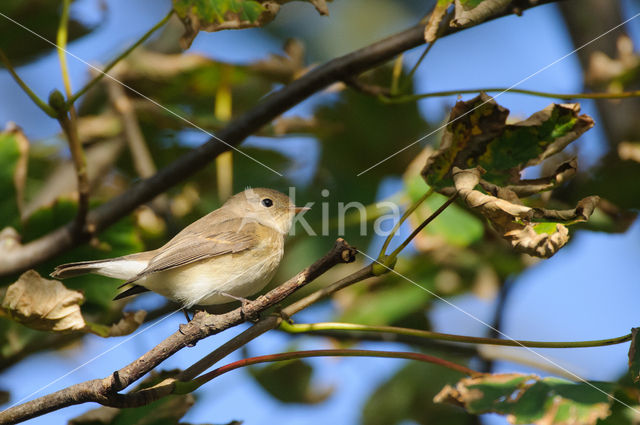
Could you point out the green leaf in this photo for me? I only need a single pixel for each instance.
(121, 238)
(216, 15)
(14, 149)
(529, 399)
(40, 15)
(477, 135)
(406, 397)
(289, 382)
(455, 225)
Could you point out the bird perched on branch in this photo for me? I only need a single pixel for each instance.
(228, 254)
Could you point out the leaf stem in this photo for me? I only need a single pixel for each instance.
(202, 379)
(333, 326)
(418, 229)
(68, 121)
(566, 96)
(34, 97)
(61, 41)
(409, 76)
(404, 217)
(115, 61)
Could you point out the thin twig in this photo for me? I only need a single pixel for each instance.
(34, 97)
(23, 257)
(565, 96)
(106, 391)
(69, 123)
(312, 327)
(203, 379)
(118, 58)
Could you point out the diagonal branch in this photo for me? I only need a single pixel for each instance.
(342, 68)
(105, 391)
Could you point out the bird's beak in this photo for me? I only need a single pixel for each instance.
(300, 209)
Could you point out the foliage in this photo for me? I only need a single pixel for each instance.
(500, 218)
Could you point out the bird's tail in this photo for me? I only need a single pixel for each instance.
(119, 268)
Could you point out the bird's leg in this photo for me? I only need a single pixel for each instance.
(186, 314)
(243, 301)
(181, 326)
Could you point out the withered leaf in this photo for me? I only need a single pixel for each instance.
(478, 135)
(44, 304)
(129, 323)
(466, 13)
(217, 15)
(528, 399)
(472, 12)
(512, 220)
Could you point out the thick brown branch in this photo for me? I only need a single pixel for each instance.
(339, 69)
(105, 391)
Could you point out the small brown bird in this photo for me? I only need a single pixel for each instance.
(228, 254)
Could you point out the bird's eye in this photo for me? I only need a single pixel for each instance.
(267, 202)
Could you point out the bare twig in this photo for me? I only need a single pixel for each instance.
(26, 256)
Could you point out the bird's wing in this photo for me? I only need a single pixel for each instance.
(196, 243)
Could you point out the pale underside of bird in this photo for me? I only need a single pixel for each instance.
(229, 254)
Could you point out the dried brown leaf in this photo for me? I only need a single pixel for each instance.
(513, 220)
(44, 304)
(129, 323)
(466, 16)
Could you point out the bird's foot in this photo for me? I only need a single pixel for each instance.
(243, 303)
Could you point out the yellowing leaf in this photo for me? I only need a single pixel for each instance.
(217, 15)
(44, 304)
(526, 399)
(478, 135)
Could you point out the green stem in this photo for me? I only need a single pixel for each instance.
(121, 56)
(404, 217)
(61, 41)
(329, 326)
(409, 76)
(182, 387)
(566, 96)
(418, 229)
(69, 121)
(396, 73)
(39, 102)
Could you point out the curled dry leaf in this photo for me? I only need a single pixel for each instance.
(466, 13)
(469, 13)
(513, 220)
(217, 15)
(528, 399)
(47, 305)
(44, 304)
(129, 323)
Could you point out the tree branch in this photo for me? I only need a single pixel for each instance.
(105, 391)
(348, 66)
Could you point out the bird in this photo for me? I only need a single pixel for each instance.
(229, 254)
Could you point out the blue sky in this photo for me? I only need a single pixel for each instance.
(587, 291)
